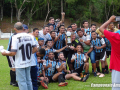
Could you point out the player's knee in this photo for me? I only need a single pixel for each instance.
(86, 64)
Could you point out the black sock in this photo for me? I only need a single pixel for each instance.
(14, 76)
(103, 70)
(11, 79)
(98, 69)
(106, 67)
(60, 78)
(92, 69)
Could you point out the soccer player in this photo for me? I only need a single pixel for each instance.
(86, 27)
(52, 21)
(80, 62)
(61, 42)
(33, 70)
(44, 34)
(22, 47)
(11, 62)
(74, 28)
(50, 28)
(53, 36)
(50, 68)
(98, 45)
(93, 27)
(69, 28)
(41, 72)
(41, 42)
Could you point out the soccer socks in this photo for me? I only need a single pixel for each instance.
(103, 70)
(106, 67)
(14, 77)
(60, 78)
(11, 77)
(98, 69)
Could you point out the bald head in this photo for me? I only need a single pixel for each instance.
(18, 26)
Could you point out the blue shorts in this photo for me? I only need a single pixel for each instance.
(92, 56)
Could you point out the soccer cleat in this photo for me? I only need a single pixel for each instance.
(44, 84)
(106, 72)
(15, 84)
(66, 83)
(95, 74)
(81, 74)
(85, 78)
(98, 73)
(62, 84)
(10, 83)
(101, 75)
(39, 79)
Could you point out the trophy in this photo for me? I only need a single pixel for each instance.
(68, 34)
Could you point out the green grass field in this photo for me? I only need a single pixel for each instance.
(72, 85)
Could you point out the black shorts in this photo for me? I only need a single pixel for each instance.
(70, 56)
(108, 53)
(50, 78)
(79, 70)
(11, 61)
(100, 56)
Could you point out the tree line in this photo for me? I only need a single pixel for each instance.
(75, 10)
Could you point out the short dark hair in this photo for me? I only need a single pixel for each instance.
(79, 44)
(52, 31)
(41, 51)
(47, 41)
(69, 26)
(93, 25)
(35, 29)
(93, 32)
(61, 26)
(60, 53)
(73, 24)
(84, 21)
(51, 18)
(79, 30)
(45, 26)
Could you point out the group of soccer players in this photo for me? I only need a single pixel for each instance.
(44, 54)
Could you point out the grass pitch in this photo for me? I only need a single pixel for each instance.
(72, 85)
